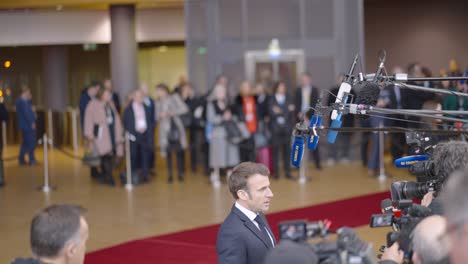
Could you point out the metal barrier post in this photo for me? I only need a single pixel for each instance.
(51, 126)
(4, 135)
(382, 176)
(128, 185)
(45, 142)
(303, 168)
(74, 130)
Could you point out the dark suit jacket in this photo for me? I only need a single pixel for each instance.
(240, 241)
(314, 96)
(275, 126)
(25, 114)
(129, 124)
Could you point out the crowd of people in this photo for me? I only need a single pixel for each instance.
(251, 126)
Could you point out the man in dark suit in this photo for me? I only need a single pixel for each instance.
(3, 118)
(306, 97)
(27, 124)
(245, 236)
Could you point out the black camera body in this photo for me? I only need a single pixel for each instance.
(346, 249)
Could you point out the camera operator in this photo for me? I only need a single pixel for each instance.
(455, 202)
(427, 246)
(448, 157)
(291, 253)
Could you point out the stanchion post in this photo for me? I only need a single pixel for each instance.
(51, 126)
(303, 168)
(46, 187)
(382, 175)
(128, 166)
(74, 129)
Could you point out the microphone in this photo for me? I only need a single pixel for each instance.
(368, 93)
(332, 134)
(297, 150)
(345, 88)
(387, 206)
(406, 162)
(313, 139)
(417, 210)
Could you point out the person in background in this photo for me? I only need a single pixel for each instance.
(340, 150)
(453, 102)
(59, 234)
(137, 121)
(223, 153)
(245, 108)
(281, 112)
(172, 139)
(182, 82)
(3, 118)
(103, 130)
(86, 96)
(150, 104)
(27, 122)
(307, 96)
(262, 102)
(115, 95)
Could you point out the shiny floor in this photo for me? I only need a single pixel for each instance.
(116, 215)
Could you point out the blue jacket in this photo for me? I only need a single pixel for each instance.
(25, 114)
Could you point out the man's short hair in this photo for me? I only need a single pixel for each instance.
(455, 197)
(448, 157)
(53, 227)
(238, 179)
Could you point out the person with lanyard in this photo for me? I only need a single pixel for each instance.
(103, 130)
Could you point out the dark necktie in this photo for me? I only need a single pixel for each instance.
(263, 230)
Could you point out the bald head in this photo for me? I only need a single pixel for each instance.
(427, 246)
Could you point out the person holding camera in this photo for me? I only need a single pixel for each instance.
(245, 236)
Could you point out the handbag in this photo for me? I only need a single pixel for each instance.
(173, 136)
(91, 156)
(236, 131)
(262, 136)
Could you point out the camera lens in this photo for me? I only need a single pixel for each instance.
(411, 190)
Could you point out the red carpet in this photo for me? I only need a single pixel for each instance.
(199, 245)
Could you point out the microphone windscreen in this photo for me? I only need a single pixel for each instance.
(332, 134)
(368, 93)
(297, 151)
(312, 140)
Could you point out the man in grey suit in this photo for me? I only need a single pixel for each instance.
(245, 236)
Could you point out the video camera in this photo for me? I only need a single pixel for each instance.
(420, 165)
(346, 249)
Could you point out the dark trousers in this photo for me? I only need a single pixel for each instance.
(105, 174)
(397, 145)
(179, 152)
(342, 146)
(365, 141)
(28, 145)
(193, 148)
(140, 151)
(280, 142)
(316, 157)
(247, 150)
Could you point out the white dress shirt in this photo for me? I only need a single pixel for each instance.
(251, 215)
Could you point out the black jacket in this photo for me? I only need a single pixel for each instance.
(314, 96)
(129, 125)
(240, 241)
(277, 126)
(26, 261)
(237, 108)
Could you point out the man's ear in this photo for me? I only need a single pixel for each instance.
(70, 249)
(243, 195)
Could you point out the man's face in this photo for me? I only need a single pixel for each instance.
(259, 193)
(459, 245)
(79, 249)
(305, 80)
